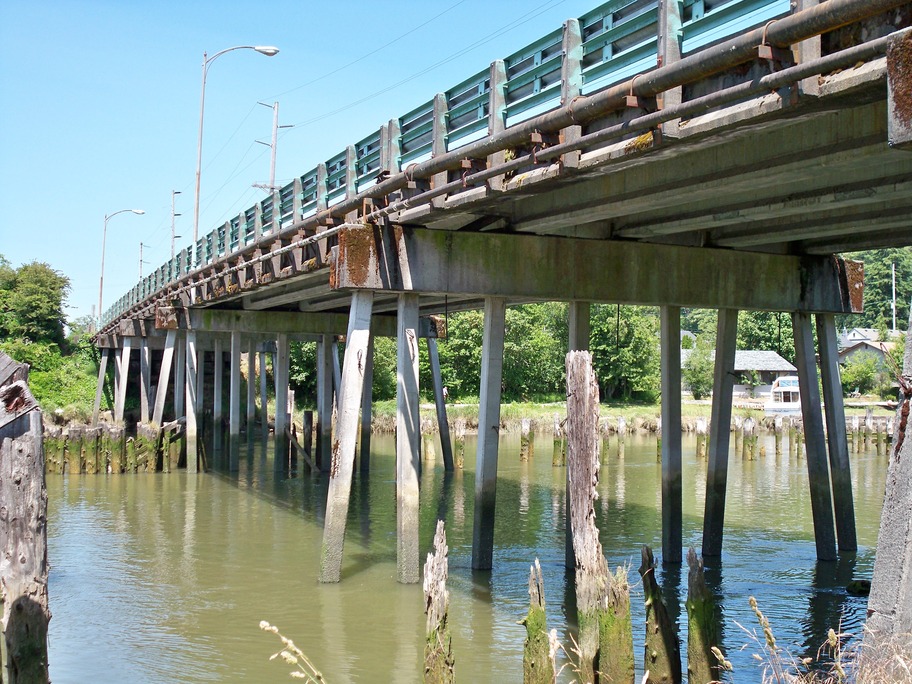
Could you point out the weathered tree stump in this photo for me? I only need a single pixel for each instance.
(702, 625)
(538, 668)
(582, 473)
(23, 536)
(663, 653)
(439, 664)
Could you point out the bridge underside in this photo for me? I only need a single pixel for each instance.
(742, 207)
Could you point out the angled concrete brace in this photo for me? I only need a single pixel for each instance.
(443, 426)
(123, 379)
(99, 387)
(343, 456)
(164, 378)
(720, 432)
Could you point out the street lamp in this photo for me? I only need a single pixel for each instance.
(267, 50)
(104, 237)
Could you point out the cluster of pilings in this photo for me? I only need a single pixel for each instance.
(107, 448)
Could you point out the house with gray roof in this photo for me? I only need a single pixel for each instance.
(756, 370)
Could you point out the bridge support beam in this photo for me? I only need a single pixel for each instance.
(251, 383)
(488, 432)
(672, 488)
(579, 315)
(122, 379)
(367, 404)
(443, 425)
(145, 378)
(720, 432)
(164, 378)
(408, 441)
(815, 441)
(324, 402)
(218, 377)
(191, 400)
(837, 441)
(234, 387)
(180, 368)
(280, 370)
(99, 387)
(357, 343)
(264, 399)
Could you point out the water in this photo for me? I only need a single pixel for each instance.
(164, 578)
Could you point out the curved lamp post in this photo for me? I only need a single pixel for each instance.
(267, 50)
(104, 237)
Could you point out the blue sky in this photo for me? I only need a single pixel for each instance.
(101, 107)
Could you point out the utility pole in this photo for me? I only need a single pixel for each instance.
(272, 146)
(141, 262)
(173, 215)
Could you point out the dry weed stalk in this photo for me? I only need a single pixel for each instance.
(292, 655)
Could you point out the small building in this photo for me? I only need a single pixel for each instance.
(849, 338)
(879, 349)
(756, 371)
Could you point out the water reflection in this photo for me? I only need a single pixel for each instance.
(193, 563)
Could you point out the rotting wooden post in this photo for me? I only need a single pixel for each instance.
(701, 438)
(148, 439)
(663, 652)
(792, 438)
(439, 663)
(23, 537)
(738, 422)
(343, 453)
(672, 482)
(719, 433)
(525, 439)
(459, 428)
(99, 387)
(702, 624)
(868, 427)
(427, 447)
(622, 435)
(840, 470)
(582, 471)
(606, 442)
(879, 438)
(812, 419)
(537, 666)
(443, 426)
(367, 407)
(94, 458)
(616, 660)
(115, 439)
(777, 435)
(408, 440)
(54, 442)
(747, 439)
(74, 436)
(488, 432)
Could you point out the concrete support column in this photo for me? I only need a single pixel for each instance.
(123, 379)
(218, 376)
(443, 426)
(324, 402)
(145, 378)
(180, 368)
(264, 398)
(837, 439)
(356, 350)
(192, 372)
(408, 440)
(815, 444)
(99, 387)
(234, 386)
(672, 515)
(578, 323)
(200, 378)
(488, 433)
(719, 432)
(280, 370)
(251, 383)
(164, 378)
(367, 404)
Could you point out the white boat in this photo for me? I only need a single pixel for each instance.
(784, 398)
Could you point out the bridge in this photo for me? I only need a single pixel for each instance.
(704, 153)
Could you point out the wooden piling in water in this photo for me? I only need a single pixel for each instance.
(605, 441)
(557, 453)
(439, 662)
(663, 652)
(622, 435)
(777, 433)
(701, 438)
(525, 439)
(54, 448)
(94, 458)
(702, 624)
(113, 438)
(868, 427)
(747, 439)
(537, 664)
(616, 661)
(739, 435)
(146, 447)
(23, 534)
(75, 435)
(793, 438)
(459, 429)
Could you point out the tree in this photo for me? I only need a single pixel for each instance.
(859, 373)
(625, 348)
(697, 372)
(31, 302)
(766, 331)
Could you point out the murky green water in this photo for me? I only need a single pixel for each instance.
(164, 578)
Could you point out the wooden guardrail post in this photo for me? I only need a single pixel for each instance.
(23, 537)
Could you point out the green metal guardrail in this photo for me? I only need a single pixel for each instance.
(619, 40)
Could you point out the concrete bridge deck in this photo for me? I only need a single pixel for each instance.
(726, 173)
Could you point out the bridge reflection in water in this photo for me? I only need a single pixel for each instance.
(177, 570)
